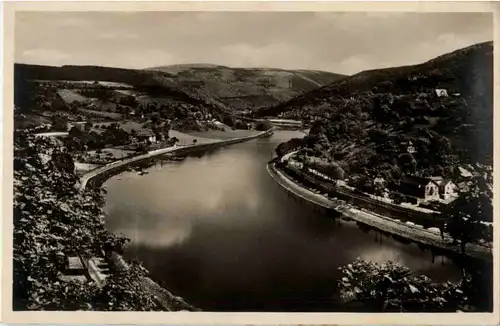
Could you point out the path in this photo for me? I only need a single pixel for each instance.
(53, 134)
(411, 232)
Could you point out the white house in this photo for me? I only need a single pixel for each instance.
(422, 189)
(441, 92)
(464, 172)
(379, 181)
(448, 189)
(431, 191)
(411, 149)
(78, 125)
(146, 135)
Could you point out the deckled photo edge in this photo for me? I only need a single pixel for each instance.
(8, 316)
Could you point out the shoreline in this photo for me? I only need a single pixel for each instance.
(113, 166)
(379, 222)
(163, 295)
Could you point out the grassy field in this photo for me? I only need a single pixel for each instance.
(89, 82)
(125, 125)
(70, 96)
(111, 115)
(187, 139)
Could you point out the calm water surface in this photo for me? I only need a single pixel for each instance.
(220, 232)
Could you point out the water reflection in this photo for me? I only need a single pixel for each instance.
(220, 232)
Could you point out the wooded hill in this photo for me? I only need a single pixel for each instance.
(468, 70)
(367, 121)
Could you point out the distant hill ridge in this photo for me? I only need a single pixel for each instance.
(246, 88)
(459, 70)
(227, 89)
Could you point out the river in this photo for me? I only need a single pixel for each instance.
(220, 232)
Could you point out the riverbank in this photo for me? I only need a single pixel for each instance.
(392, 226)
(117, 165)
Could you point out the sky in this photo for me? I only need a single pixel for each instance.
(344, 43)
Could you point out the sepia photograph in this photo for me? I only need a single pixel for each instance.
(252, 161)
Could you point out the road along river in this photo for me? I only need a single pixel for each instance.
(217, 230)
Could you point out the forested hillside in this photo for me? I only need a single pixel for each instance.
(368, 122)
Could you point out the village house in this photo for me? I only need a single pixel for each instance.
(146, 135)
(78, 125)
(464, 172)
(379, 181)
(447, 188)
(411, 149)
(428, 189)
(421, 189)
(441, 92)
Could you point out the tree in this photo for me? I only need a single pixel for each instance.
(240, 125)
(289, 146)
(397, 198)
(282, 149)
(378, 189)
(88, 126)
(407, 163)
(59, 123)
(263, 125)
(467, 211)
(195, 141)
(390, 287)
(174, 140)
(344, 127)
(228, 120)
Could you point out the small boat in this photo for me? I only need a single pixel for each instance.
(143, 172)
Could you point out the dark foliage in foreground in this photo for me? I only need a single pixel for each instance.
(392, 287)
(51, 219)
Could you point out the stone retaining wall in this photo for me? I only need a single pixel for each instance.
(410, 232)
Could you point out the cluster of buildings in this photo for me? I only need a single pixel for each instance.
(430, 189)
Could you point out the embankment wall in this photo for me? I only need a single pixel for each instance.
(385, 224)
